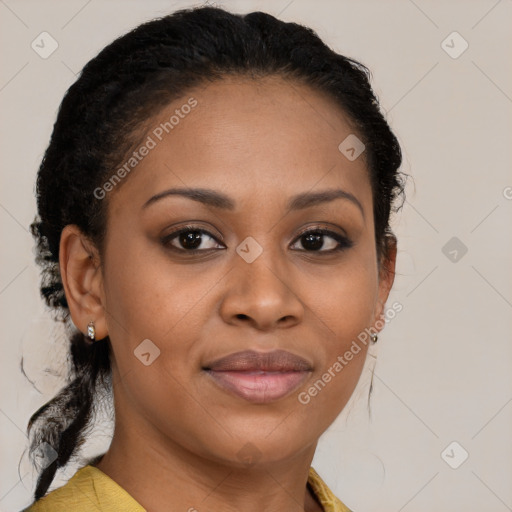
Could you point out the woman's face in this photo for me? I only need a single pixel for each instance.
(260, 153)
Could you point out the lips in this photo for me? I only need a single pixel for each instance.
(259, 377)
(250, 360)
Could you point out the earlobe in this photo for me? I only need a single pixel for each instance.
(81, 275)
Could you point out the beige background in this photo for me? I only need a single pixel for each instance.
(444, 364)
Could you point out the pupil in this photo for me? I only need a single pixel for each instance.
(314, 241)
(191, 239)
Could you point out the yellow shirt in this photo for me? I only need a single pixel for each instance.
(91, 490)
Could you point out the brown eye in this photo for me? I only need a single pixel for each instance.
(323, 240)
(190, 239)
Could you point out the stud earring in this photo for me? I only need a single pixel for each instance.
(374, 338)
(91, 331)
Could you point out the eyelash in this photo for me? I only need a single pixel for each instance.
(343, 242)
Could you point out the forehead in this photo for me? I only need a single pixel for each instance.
(267, 138)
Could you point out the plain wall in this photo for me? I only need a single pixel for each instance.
(444, 364)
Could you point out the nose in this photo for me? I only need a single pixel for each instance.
(261, 294)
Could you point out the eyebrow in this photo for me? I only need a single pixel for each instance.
(219, 200)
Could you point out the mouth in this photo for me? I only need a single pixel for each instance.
(259, 377)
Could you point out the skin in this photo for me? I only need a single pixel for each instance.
(259, 142)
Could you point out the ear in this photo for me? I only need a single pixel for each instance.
(82, 278)
(386, 279)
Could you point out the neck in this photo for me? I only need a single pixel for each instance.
(162, 475)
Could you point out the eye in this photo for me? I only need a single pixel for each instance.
(190, 239)
(314, 240)
(193, 239)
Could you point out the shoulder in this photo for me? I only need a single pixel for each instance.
(329, 502)
(88, 489)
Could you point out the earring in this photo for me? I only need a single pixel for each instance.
(91, 331)
(374, 338)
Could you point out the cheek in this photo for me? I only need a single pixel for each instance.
(344, 306)
(147, 297)
(141, 292)
(345, 300)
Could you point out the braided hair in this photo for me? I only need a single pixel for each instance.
(98, 122)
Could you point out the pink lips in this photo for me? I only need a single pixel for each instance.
(259, 377)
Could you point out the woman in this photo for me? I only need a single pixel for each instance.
(213, 217)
